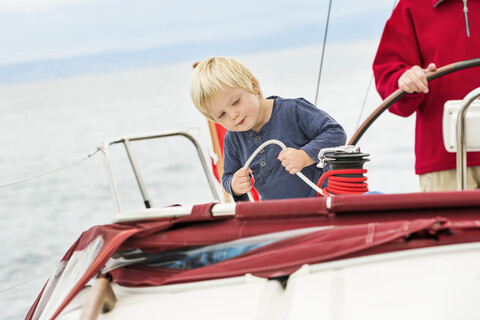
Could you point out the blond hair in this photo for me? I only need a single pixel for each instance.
(215, 74)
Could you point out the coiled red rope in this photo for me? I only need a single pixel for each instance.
(343, 185)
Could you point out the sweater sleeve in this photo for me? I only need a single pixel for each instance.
(319, 127)
(397, 52)
(231, 164)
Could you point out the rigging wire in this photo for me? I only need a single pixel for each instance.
(364, 102)
(50, 271)
(50, 172)
(323, 50)
(368, 87)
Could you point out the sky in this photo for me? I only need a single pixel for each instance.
(50, 30)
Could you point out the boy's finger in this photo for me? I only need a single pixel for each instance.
(243, 172)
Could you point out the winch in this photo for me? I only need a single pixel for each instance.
(347, 173)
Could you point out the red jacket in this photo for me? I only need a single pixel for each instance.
(420, 32)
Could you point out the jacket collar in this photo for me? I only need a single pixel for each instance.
(465, 10)
(436, 2)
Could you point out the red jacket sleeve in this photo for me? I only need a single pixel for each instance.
(397, 52)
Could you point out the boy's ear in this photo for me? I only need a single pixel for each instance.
(255, 85)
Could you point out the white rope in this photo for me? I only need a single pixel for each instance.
(284, 148)
(49, 172)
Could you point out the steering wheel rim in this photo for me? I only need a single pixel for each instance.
(399, 93)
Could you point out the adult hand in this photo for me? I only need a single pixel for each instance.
(294, 160)
(415, 79)
(241, 181)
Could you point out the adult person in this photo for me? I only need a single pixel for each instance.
(419, 37)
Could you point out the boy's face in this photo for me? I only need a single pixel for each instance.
(236, 110)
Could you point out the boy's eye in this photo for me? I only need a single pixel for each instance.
(221, 115)
(236, 102)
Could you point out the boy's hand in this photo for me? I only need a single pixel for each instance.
(415, 79)
(294, 160)
(241, 182)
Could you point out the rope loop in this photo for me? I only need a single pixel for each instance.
(344, 184)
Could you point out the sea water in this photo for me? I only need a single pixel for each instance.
(54, 124)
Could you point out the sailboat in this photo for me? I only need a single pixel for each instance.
(341, 256)
(338, 256)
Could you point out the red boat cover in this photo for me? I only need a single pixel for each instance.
(452, 222)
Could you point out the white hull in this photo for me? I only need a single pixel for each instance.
(432, 283)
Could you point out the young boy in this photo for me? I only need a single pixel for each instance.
(226, 92)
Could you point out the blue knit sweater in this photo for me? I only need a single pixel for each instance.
(298, 124)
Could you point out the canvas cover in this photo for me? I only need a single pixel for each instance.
(357, 226)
